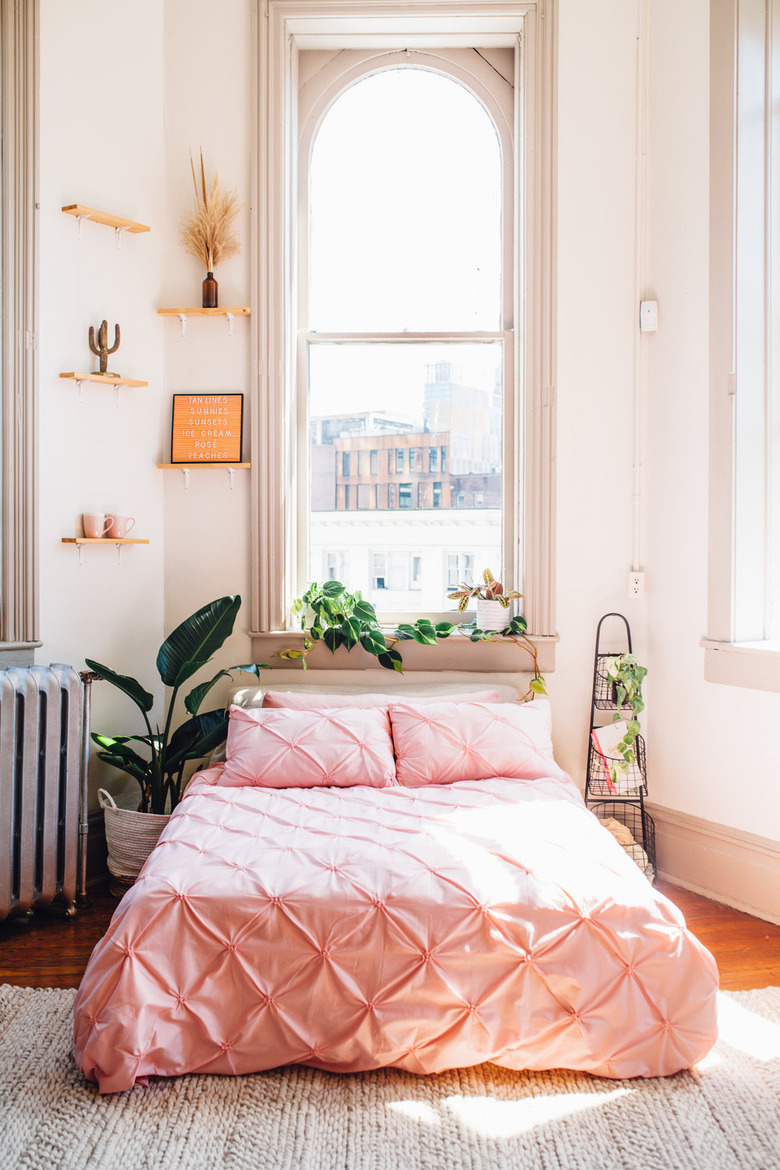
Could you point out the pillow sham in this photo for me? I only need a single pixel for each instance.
(308, 749)
(300, 701)
(445, 742)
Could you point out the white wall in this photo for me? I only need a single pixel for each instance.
(101, 145)
(713, 750)
(595, 351)
(124, 102)
(207, 106)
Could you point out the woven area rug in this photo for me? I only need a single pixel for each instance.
(723, 1115)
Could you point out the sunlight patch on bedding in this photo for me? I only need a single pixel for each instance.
(493, 879)
(504, 1119)
(747, 1031)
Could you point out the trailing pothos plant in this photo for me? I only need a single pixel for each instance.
(626, 676)
(335, 616)
(159, 772)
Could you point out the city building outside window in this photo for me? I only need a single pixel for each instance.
(437, 495)
(404, 495)
(374, 464)
(460, 568)
(378, 571)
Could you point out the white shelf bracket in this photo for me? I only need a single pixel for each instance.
(186, 473)
(119, 554)
(183, 323)
(118, 387)
(80, 219)
(231, 320)
(232, 475)
(80, 548)
(118, 233)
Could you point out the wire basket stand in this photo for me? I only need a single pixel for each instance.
(623, 801)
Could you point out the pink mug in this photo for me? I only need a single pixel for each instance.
(118, 526)
(95, 524)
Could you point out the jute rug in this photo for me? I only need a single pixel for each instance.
(724, 1115)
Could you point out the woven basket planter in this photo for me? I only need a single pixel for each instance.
(131, 836)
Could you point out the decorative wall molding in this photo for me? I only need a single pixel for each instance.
(726, 864)
(19, 338)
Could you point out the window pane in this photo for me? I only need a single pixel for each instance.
(445, 403)
(405, 227)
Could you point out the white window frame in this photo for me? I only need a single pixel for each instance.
(283, 28)
(741, 648)
(19, 618)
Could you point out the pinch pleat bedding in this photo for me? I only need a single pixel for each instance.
(424, 929)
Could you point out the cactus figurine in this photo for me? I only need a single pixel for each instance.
(101, 349)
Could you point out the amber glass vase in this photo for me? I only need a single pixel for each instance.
(209, 292)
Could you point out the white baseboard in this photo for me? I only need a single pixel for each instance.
(728, 865)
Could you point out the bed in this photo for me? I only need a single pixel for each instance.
(434, 899)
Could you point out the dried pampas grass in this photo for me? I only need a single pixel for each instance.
(207, 232)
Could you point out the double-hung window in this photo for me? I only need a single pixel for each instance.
(403, 291)
(744, 612)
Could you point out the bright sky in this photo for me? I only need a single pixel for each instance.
(405, 196)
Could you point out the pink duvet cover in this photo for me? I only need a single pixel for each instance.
(423, 928)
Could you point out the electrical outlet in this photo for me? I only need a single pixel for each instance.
(636, 584)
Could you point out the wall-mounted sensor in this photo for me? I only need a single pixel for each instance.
(648, 316)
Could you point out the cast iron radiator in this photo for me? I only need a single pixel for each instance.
(42, 728)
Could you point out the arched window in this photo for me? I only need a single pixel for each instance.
(394, 255)
(406, 320)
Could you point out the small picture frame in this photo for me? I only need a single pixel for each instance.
(207, 428)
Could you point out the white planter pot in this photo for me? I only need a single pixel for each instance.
(492, 615)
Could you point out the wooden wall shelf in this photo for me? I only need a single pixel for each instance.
(240, 311)
(103, 379)
(112, 541)
(101, 540)
(115, 221)
(189, 466)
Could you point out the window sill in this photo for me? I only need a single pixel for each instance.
(17, 653)
(742, 664)
(455, 654)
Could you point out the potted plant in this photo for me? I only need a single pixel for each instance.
(157, 759)
(625, 676)
(493, 601)
(335, 616)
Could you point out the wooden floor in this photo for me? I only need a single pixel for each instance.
(48, 951)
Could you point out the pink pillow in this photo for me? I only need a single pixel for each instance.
(443, 742)
(299, 701)
(308, 749)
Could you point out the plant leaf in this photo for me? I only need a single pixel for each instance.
(444, 629)
(192, 643)
(198, 694)
(405, 632)
(391, 660)
(117, 746)
(123, 682)
(364, 611)
(374, 642)
(538, 686)
(195, 738)
(333, 639)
